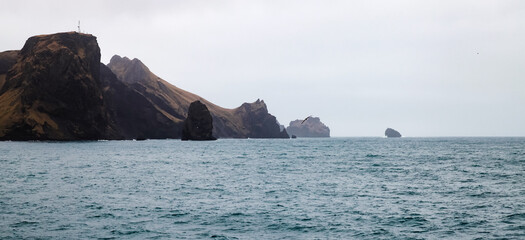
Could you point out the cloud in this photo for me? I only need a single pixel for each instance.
(359, 65)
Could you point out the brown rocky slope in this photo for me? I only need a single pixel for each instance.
(53, 91)
(55, 88)
(250, 120)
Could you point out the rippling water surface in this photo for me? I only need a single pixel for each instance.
(337, 188)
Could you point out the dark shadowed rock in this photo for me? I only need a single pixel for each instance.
(313, 127)
(391, 133)
(248, 120)
(258, 122)
(54, 92)
(133, 115)
(7, 61)
(55, 88)
(199, 123)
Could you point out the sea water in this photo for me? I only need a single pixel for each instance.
(331, 188)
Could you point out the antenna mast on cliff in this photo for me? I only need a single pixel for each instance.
(78, 26)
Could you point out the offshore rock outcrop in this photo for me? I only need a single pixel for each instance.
(312, 127)
(55, 88)
(391, 133)
(199, 123)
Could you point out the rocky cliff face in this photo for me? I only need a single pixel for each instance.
(312, 127)
(391, 133)
(258, 122)
(53, 91)
(55, 88)
(133, 115)
(199, 123)
(251, 120)
(7, 60)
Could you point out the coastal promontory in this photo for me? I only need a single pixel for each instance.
(56, 88)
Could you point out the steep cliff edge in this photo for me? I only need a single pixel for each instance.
(7, 61)
(258, 121)
(53, 91)
(312, 127)
(55, 88)
(250, 120)
(134, 116)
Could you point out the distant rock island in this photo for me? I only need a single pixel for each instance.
(312, 127)
(55, 88)
(391, 133)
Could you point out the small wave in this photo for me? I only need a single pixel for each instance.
(237, 214)
(23, 224)
(103, 215)
(174, 215)
(515, 216)
(63, 227)
(217, 236)
(374, 156)
(180, 222)
(481, 195)
(305, 157)
(130, 232)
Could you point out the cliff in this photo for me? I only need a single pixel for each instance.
(53, 91)
(312, 127)
(259, 123)
(55, 88)
(7, 60)
(250, 120)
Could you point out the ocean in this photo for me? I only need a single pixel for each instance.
(326, 188)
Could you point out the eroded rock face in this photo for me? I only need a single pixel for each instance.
(391, 133)
(259, 123)
(7, 60)
(312, 127)
(53, 91)
(250, 120)
(199, 123)
(55, 88)
(133, 115)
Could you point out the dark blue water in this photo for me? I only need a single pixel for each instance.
(338, 188)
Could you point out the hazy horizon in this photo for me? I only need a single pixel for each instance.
(426, 69)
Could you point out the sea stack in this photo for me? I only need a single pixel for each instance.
(311, 127)
(391, 133)
(199, 123)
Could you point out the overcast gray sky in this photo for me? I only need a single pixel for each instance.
(425, 68)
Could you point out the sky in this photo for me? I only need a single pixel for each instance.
(425, 68)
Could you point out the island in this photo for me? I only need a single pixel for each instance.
(391, 133)
(56, 88)
(311, 127)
